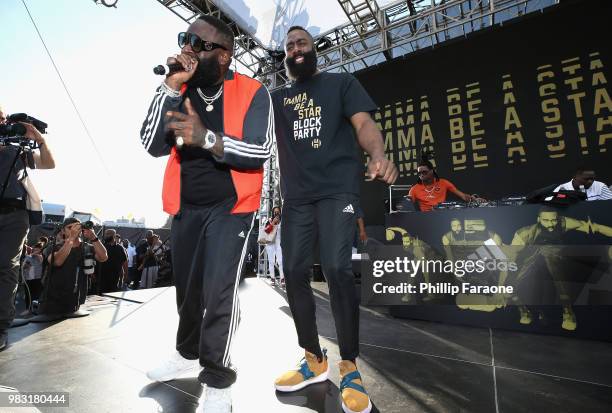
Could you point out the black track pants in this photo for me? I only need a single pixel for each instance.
(208, 248)
(335, 221)
(13, 230)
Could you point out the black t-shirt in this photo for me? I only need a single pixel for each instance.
(116, 258)
(63, 287)
(317, 146)
(14, 189)
(110, 270)
(204, 181)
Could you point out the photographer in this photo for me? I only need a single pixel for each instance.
(71, 260)
(14, 221)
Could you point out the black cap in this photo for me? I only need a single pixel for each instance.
(69, 221)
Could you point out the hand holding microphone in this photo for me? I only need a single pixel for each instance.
(178, 70)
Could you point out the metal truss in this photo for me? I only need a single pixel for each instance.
(248, 51)
(407, 26)
(362, 13)
(372, 35)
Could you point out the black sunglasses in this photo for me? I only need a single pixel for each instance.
(196, 43)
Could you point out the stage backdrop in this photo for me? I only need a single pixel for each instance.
(507, 110)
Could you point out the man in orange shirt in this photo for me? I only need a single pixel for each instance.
(431, 190)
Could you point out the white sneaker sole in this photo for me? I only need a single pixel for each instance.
(317, 379)
(366, 410)
(188, 372)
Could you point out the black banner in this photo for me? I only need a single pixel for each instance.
(506, 110)
(529, 266)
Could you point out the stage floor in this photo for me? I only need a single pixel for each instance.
(408, 366)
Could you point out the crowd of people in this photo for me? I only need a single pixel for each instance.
(104, 266)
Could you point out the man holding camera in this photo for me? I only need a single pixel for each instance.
(14, 223)
(71, 260)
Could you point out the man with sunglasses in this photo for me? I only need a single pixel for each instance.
(431, 190)
(322, 120)
(217, 126)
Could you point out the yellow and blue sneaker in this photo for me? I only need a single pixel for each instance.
(310, 371)
(355, 399)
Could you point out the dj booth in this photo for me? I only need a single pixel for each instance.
(557, 259)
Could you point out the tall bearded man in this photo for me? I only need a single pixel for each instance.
(320, 120)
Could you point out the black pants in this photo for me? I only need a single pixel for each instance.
(59, 294)
(13, 230)
(208, 248)
(133, 275)
(35, 287)
(335, 220)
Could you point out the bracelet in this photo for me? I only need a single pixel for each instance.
(169, 91)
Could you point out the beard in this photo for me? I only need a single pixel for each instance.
(206, 74)
(550, 235)
(304, 70)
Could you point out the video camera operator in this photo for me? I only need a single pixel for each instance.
(71, 261)
(14, 218)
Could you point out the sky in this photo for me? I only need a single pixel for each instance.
(105, 56)
(268, 20)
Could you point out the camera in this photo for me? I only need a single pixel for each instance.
(87, 225)
(25, 118)
(89, 263)
(12, 129)
(13, 132)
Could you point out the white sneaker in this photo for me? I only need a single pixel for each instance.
(176, 366)
(215, 400)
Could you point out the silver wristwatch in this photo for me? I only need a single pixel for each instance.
(209, 140)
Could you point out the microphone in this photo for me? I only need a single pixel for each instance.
(168, 69)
